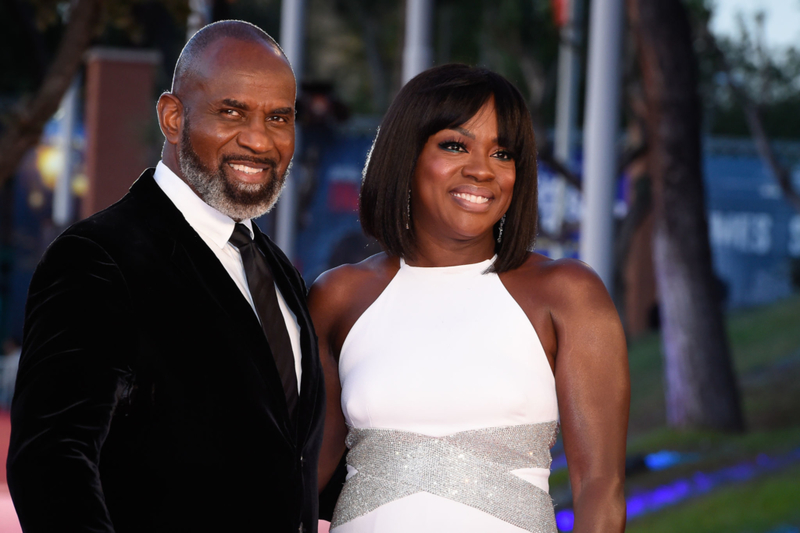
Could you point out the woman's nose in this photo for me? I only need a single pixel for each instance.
(478, 167)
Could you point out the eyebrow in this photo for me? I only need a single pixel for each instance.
(464, 132)
(282, 111)
(236, 104)
(469, 134)
(231, 102)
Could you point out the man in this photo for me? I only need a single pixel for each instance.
(164, 384)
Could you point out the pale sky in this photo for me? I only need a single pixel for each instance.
(782, 19)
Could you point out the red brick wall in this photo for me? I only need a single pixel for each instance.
(120, 121)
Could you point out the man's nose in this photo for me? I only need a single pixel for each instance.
(255, 136)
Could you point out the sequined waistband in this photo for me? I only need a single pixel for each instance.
(471, 467)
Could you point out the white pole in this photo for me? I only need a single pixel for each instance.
(566, 107)
(291, 40)
(417, 52)
(600, 136)
(199, 16)
(62, 195)
(293, 33)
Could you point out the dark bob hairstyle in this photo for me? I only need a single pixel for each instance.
(441, 98)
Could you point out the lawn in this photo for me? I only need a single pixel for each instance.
(762, 505)
(765, 345)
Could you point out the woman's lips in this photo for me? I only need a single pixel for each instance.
(472, 198)
(476, 203)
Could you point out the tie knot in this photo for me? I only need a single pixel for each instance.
(241, 236)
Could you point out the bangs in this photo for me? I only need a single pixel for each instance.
(454, 104)
(454, 108)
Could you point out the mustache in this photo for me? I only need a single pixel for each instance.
(250, 159)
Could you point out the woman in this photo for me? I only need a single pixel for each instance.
(453, 355)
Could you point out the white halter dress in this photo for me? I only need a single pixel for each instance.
(452, 409)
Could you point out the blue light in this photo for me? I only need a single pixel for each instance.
(644, 502)
(559, 462)
(647, 501)
(565, 520)
(661, 460)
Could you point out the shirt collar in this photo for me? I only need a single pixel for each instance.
(203, 218)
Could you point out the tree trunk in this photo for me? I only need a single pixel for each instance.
(700, 384)
(26, 125)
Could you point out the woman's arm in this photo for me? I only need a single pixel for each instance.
(325, 301)
(593, 389)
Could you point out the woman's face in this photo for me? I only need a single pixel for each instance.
(463, 180)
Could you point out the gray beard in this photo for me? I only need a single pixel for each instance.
(237, 200)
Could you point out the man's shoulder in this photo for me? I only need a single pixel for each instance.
(116, 230)
(122, 229)
(115, 217)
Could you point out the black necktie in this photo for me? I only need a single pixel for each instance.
(262, 289)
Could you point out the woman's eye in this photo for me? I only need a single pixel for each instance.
(452, 146)
(505, 155)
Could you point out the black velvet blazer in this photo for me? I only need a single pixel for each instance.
(147, 399)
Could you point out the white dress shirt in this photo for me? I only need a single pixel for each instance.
(215, 229)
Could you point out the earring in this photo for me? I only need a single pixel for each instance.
(408, 209)
(500, 229)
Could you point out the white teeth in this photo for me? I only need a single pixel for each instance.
(471, 198)
(245, 168)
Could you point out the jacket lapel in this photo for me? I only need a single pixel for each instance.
(192, 256)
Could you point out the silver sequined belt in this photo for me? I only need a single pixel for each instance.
(471, 467)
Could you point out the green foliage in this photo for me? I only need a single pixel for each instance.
(768, 76)
(27, 44)
(514, 37)
(357, 46)
(31, 31)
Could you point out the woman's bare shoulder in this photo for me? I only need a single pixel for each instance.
(559, 281)
(340, 281)
(348, 289)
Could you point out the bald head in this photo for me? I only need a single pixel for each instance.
(229, 119)
(193, 54)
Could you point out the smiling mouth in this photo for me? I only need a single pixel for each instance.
(245, 168)
(475, 199)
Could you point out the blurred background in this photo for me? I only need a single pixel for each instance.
(669, 159)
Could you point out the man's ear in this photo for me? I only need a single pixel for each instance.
(170, 117)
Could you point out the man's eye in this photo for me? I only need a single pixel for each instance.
(231, 112)
(277, 118)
